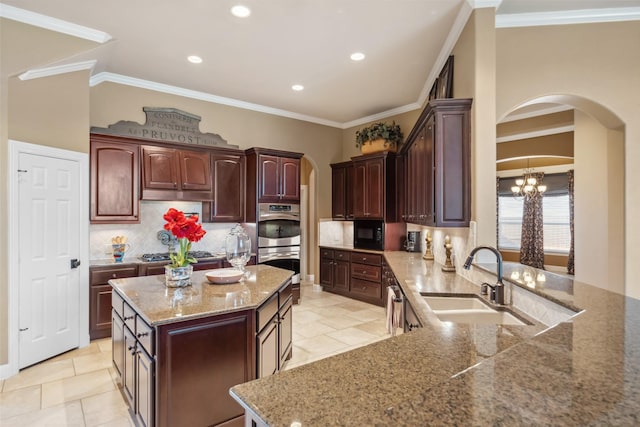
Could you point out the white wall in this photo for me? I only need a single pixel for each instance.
(598, 205)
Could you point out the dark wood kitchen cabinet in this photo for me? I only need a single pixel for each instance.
(374, 178)
(115, 164)
(157, 365)
(133, 352)
(274, 337)
(178, 371)
(335, 270)
(175, 174)
(342, 191)
(353, 274)
(437, 164)
(228, 172)
(273, 176)
(366, 277)
(277, 175)
(100, 296)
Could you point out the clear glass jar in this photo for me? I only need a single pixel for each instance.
(238, 247)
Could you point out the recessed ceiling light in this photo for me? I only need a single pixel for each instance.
(240, 11)
(357, 56)
(195, 59)
(297, 87)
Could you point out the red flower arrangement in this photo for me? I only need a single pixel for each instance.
(186, 230)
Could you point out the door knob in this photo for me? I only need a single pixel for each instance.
(75, 263)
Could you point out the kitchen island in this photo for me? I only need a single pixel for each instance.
(177, 351)
(582, 371)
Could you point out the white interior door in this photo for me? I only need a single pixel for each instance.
(48, 239)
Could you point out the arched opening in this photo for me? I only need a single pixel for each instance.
(556, 133)
(309, 220)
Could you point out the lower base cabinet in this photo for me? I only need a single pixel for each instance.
(354, 274)
(274, 327)
(179, 374)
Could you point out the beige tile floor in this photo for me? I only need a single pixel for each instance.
(78, 388)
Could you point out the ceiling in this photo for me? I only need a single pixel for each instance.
(253, 62)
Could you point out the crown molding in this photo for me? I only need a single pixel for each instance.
(536, 134)
(536, 113)
(563, 17)
(104, 77)
(479, 4)
(37, 73)
(53, 24)
(382, 115)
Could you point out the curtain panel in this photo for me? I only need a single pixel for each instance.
(532, 241)
(570, 262)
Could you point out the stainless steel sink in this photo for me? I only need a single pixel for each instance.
(470, 310)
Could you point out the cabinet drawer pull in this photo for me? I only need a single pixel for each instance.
(114, 275)
(131, 347)
(128, 318)
(142, 334)
(175, 185)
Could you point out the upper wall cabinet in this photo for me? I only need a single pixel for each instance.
(342, 191)
(115, 178)
(228, 172)
(279, 179)
(374, 178)
(273, 176)
(437, 166)
(176, 174)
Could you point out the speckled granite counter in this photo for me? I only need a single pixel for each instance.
(158, 304)
(136, 260)
(582, 372)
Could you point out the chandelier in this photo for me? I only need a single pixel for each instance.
(528, 184)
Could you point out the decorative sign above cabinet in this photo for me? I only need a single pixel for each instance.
(167, 125)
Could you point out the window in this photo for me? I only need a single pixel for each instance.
(555, 215)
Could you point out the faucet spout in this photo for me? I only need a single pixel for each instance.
(498, 293)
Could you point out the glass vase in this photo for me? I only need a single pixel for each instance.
(238, 248)
(177, 277)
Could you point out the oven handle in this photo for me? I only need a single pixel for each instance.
(278, 255)
(267, 216)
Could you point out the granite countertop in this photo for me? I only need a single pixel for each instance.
(158, 304)
(585, 371)
(135, 260)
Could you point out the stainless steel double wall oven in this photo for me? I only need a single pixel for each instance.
(279, 236)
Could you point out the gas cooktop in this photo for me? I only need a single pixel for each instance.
(164, 256)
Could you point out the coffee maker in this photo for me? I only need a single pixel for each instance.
(412, 244)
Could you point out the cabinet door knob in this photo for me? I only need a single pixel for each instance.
(114, 275)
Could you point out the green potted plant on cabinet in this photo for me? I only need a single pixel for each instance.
(379, 137)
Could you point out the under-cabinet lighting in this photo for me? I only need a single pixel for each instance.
(194, 59)
(297, 88)
(357, 56)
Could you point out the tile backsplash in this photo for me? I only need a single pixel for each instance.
(143, 237)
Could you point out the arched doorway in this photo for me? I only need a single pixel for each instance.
(598, 138)
(309, 220)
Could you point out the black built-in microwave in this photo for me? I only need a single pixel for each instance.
(368, 234)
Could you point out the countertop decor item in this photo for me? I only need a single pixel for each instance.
(379, 137)
(238, 248)
(187, 230)
(448, 264)
(428, 253)
(224, 275)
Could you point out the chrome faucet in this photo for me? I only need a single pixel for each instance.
(497, 290)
